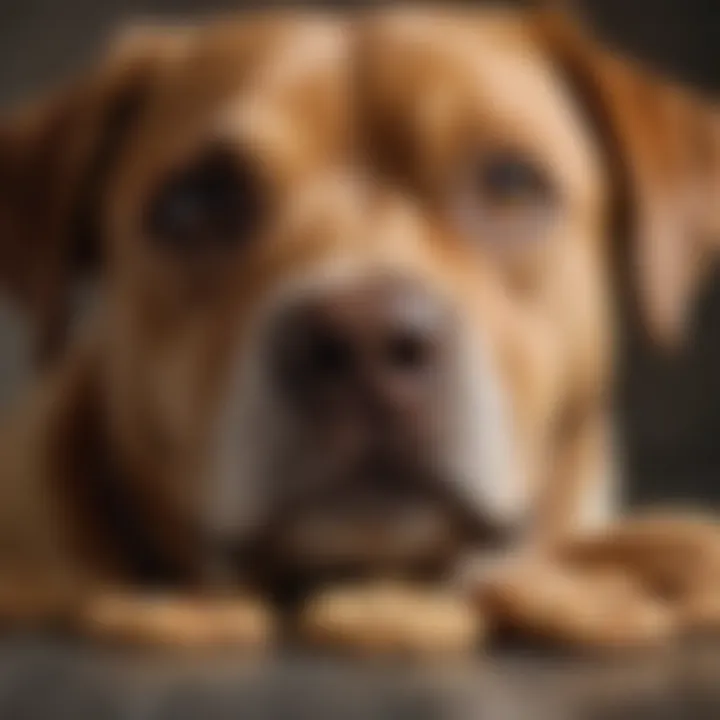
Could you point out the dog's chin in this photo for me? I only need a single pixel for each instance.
(363, 528)
(378, 516)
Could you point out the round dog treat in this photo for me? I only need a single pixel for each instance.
(391, 619)
(181, 622)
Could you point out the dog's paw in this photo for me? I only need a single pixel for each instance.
(674, 554)
(389, 619)
(158, 620)
(599, 610)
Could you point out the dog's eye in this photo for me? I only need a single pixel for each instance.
(216, 201)
(510, 179)
(504, 199)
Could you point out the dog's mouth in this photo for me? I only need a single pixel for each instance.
(381, 517)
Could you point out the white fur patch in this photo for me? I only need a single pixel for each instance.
(481, 454)
(601, 501)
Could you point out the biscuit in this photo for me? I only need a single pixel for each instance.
(391, 619)
(179, 622)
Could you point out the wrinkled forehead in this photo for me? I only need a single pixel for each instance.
(479, 77)
(300, 92)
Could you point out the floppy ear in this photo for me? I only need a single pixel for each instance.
(663, 148)
(55, 155)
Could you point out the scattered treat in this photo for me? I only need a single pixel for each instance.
(391, 619)
(182, 622)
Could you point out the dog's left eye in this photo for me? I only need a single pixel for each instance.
(507, 178)
(216, 201)
(504, 199)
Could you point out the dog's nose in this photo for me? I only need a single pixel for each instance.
(378, 342)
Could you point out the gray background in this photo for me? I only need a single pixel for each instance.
(669, 406)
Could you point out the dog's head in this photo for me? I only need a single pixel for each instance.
(356, 272)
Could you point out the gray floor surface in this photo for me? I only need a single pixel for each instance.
(41, 678)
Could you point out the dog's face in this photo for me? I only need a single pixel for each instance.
(349, 285)
(355, 276)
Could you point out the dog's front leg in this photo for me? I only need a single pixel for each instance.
(674, 554)
(538, 597)
(642, 580)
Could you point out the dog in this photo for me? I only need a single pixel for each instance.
(357, 282)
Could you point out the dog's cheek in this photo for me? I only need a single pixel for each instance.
(244, 446)
(482, 449)
(158, 392)
(505, 392)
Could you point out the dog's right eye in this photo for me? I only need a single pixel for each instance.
(216, 201)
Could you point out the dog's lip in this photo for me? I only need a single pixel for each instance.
(370, 523)
(376, 512)
(359, 522)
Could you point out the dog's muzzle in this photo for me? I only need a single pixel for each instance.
(371, 435)
(363, 368)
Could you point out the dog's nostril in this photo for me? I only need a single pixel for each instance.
(408, 352)
(328, 355)
(364, 346)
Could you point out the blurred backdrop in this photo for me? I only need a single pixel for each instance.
(669, 407)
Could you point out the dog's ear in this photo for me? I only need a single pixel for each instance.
(663, 149)
(55, 155)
